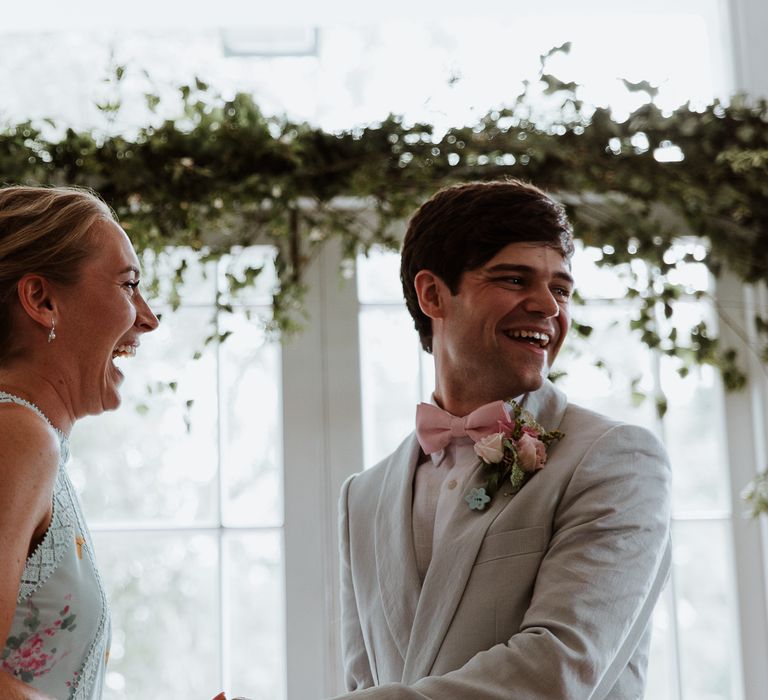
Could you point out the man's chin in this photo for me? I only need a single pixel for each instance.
(532, 382)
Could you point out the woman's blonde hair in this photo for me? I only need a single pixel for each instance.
(43, 230)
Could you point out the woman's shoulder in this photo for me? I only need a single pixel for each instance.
(29, 446)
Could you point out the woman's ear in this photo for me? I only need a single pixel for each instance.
(36, 299)
(432, 293)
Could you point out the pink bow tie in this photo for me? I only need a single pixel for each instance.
(435, 428)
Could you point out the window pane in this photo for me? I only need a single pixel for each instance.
(251, 446)
(378, 278)
(163, 588)
(242, 265)
(706, 612)
(177, 275)
(694, 439)
(593, 281)
(661, 679)
(389, 365)
(156, 458)
(622, 387)
(256, 618)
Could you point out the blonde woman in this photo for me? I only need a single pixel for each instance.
(69, 304)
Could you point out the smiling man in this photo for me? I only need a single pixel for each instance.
(514, 545)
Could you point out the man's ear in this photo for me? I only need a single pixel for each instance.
(36, 299)
(432, 293)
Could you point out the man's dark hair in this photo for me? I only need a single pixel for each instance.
(461, 228)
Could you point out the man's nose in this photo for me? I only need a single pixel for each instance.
(542, 301)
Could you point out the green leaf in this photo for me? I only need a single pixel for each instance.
(642, 86)
(563, 48)
(554, 85)
(152, 101)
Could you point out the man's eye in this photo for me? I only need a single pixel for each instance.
(131, 285)
(563, 292)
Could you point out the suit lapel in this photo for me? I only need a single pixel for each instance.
(446, 580)
(547, 405)
(395, 558)
(454, 558)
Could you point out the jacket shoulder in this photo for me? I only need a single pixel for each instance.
(369, 482)
(583, 421)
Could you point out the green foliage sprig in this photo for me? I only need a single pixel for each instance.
(223, 174)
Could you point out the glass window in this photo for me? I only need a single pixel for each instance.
(188, 515)
(189, 521)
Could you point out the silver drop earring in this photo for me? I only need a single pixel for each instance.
(52, 334)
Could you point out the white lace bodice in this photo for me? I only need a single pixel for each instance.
(59, 639)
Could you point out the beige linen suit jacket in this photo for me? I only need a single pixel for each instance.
(547, 594)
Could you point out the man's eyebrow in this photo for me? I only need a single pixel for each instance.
(526, 269)
(131, 268)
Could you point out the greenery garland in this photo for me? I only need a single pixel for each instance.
(224, 175)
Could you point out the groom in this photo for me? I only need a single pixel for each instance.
(541, 588)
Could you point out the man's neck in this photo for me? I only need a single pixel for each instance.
(464, 405)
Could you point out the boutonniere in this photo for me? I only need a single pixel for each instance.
(510, 456)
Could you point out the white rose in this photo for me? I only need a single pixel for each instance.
(490, 448)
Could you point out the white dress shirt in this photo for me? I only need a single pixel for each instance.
(439, 487)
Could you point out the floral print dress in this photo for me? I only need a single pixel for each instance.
(59, 639)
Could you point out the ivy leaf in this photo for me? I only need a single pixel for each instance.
(563, 48)
(556, 85)
(109, 106)
(152, 101)
(642, 86)
(582, 329)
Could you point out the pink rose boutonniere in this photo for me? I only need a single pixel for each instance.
(514, 453)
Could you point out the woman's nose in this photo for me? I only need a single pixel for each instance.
(145, 318)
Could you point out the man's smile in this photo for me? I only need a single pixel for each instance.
(539, 338)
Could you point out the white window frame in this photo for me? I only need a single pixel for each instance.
(323, 444)
(747, 411)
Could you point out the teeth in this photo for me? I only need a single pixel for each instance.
(124, 351)
(542, 338)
